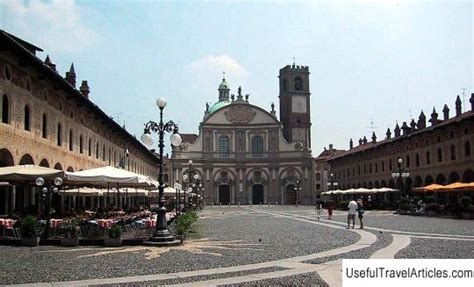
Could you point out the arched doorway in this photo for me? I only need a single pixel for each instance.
(428, 180)
(26, 159)
(409, 185)
(290, 194)
(468, 176)
(6, 158)
(454, 177)
(70, 169)
(418, 181)
(44, 163)
(441, 179)
(58, 166)
(224, 194)
(257, 194)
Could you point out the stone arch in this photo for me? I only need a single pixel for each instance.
(287, 170)
(418, 181)
(391, 183)
(383, 183)
(58, 166)
(454, 177)
(409, 184)
(377, 184)
(26, 159)
(6, 158)
(364, 184)
(441, 179)
(468, 176)
(44, 163)
(370, 185)
(359, 185)
(70, 169)
(429, 180)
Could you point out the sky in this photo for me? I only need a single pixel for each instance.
(370, 61)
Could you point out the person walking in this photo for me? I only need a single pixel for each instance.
(330, 209)
(319, 209)
(351, 213)
(360, 213)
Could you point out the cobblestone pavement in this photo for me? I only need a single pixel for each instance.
(235, 246)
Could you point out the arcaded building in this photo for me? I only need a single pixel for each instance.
(438, 150)
(47, 121)
(245, 154)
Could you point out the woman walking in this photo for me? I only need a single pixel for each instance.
(360, 213)
(319, 209)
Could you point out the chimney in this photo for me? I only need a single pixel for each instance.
(397, 130)
(422, 121)
(364, 141)
(434, 117)
(330, 147)
(71, 76)
(389, 134)
(405, 128)
(472, 101)
(50, 64)
(351, 144)
(413, 125)
(458, 106)
(84, 89)
(374, 137)
(360, 141)
(445, 112)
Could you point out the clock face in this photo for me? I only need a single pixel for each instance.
(298, 104)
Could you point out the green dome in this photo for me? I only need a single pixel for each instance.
(224, 85)
(218, 105)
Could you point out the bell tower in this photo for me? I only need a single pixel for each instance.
(295, 104)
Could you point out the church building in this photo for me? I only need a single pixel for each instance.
(245, 155)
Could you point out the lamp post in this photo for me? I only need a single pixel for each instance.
(298, 190)
(192, 179)
(332, 183)
(47, 189)
(399, 174)
(161, 236)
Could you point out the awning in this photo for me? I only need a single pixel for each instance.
(105, 176)
(28, 173)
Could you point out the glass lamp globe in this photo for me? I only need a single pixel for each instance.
(58, 181)
(161, 103)
(39, 181)
(335, 183)
(185, 176)
(176, 139)
(196, 176)
(400, 160)
(190, 162)
(146, 139)
(45, 189)
(190, 189)
(55, 190)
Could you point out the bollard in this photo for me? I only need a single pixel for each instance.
(220, 204)
(268, 203)
(212, 204)
(228, 204)
(238, 203)
(260, 204)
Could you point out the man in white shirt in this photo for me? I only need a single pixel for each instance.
(351, 214)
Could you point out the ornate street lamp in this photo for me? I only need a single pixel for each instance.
(47, 190)
(332, 181)
(399, 174)
(161, 236)
(192, 179)
(297, 190)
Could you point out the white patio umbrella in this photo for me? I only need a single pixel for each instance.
(83, 191)
(28, 172)
(104, 176)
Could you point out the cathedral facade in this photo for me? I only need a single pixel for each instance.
(245, 155)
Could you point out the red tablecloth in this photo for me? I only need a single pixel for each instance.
(7, 222)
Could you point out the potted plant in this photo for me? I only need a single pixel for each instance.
(29, 235)
(468, 209)
(184, 223)
(403, 206)
(72, 232)
(115, 237)
(431, 209)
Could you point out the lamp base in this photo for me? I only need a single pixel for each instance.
(158, 241)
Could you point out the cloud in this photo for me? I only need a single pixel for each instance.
(55, 25)
(215, 65)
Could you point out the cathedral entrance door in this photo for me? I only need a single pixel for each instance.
(257, 194)
(224, 194)
(290, 194)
